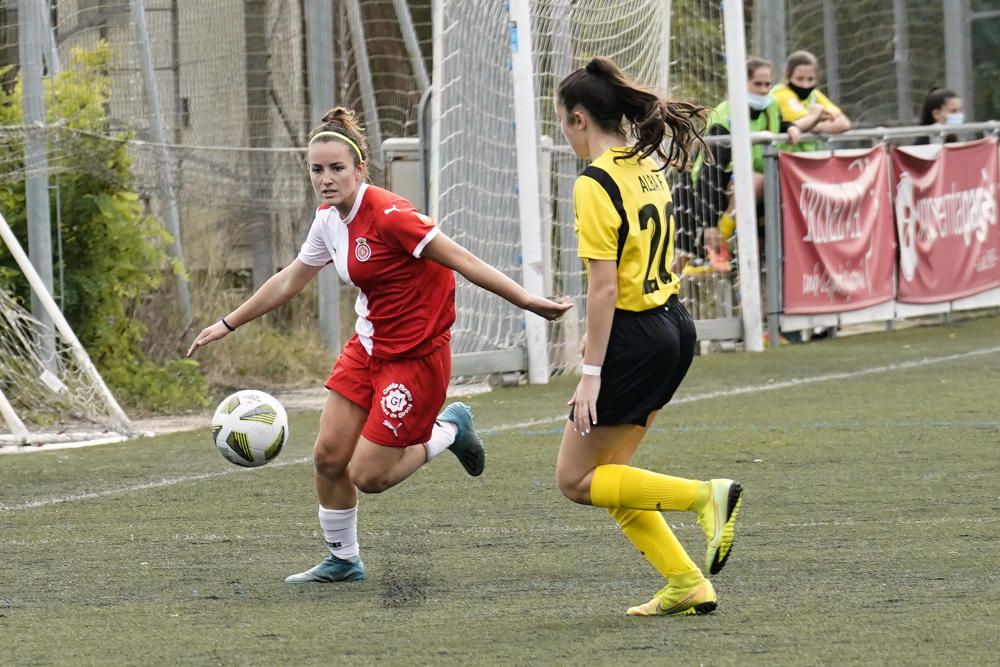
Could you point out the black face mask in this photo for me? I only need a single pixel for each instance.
(802, 93)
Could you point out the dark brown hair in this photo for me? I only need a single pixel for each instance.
(663, 126)
(343, 121)
(797, 59)
(935, 99)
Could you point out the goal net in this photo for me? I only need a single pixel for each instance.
(674, 47)
(236, 100)
(50, 391)
(477, 188)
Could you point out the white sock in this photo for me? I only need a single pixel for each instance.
(442, 437)
(340, 530)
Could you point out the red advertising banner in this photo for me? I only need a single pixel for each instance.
(946, 219)
(839, 247)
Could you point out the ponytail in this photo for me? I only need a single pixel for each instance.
(662, 126)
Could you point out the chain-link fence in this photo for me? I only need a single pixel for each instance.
(232, 78)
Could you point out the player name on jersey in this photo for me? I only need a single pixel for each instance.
(651, 182)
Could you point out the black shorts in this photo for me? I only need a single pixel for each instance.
(648, 355)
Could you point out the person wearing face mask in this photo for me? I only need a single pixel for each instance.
(711, 180)
(803, 103)
(941, 107)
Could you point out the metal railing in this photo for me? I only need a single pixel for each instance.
(773, 246)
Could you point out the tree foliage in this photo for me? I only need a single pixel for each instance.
(113, 252)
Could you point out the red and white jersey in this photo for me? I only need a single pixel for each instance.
(407, 305)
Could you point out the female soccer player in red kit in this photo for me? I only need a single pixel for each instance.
(380, 422)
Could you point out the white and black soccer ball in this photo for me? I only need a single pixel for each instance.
(249, 428)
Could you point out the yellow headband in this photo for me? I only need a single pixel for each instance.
(342, 137)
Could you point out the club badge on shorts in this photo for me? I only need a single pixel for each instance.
(396, 401)
(362, 251)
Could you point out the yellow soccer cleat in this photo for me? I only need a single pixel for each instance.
(686, 595)
(717, 519)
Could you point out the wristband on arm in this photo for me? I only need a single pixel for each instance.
(588, 369)
(227, 325)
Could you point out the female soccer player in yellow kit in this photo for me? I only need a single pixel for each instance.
(640, 340)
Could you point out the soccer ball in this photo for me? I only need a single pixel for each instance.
(249, 428)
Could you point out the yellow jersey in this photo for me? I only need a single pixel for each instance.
(792, 108)
(624, 213)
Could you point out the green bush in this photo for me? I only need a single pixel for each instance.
(113, 251)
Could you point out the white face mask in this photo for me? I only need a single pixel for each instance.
(954, 118)
(758, 102)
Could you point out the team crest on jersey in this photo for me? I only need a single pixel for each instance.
(396, 401)
(362, 251)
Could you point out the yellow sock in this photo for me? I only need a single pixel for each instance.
(651, 535)
(634, 488)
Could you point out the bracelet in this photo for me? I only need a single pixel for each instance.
(588, 369)
(227, 324)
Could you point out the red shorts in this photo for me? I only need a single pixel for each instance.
(402, 396)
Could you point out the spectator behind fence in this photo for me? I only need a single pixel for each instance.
(802, 103)
(942, 106)
(710, 220)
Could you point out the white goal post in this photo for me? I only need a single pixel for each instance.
(501, 174)
(50, 390)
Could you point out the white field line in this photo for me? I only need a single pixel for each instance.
(144, 486)
(722, 393)
(784, 384)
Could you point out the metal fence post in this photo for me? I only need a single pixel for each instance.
(171, 213)
(901, 31)
(412, 44)
(36, 162)
(831, 49)
(769, 35)
(772, 243)
(368, 101)
(957, 51)
(51, 48)
(322, 84)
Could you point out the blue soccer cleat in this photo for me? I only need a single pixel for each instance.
(330, 570)
(467, 446)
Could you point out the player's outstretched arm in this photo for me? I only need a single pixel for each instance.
(446, 252)
(278, 290)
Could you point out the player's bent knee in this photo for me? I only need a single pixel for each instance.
(574, 489)
(330, 461)
(370, 482)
